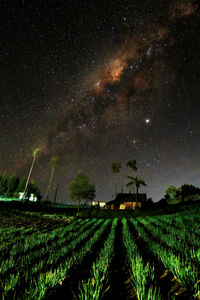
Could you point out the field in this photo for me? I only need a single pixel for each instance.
(53, 257)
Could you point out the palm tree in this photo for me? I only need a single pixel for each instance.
(131, 164)
(35, 154)
(115, 167)
(137, 181)
(122, 185)
(56, 192)
(53, 163)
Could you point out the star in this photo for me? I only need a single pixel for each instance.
(104, 84)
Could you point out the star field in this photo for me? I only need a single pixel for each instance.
(95, 82)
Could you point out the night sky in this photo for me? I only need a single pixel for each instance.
(80, 79)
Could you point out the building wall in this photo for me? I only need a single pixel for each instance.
(129, 205)
(97, 203)
(138, 204)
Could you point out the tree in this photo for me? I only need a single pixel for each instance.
(148, 203)
(12, 185)
(131, 163)
(172, 192)
(55, 194)
(34, 154)
(38, 194)
(182, 192)
(115, 167)
(3, 183)
(137, 181)
(188, 190)
(21, 186)
(53, 163)
(132, 166)
(33, 189)
(82, 189)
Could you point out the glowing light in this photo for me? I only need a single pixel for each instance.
(147, 121)
(117, 67)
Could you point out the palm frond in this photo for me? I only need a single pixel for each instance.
(35, 152)
(130, 177)
(130, 183)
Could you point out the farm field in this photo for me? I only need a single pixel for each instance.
(49, 257)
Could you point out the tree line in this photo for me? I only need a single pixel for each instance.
(173, 193)
(11, 186)
(80, 187)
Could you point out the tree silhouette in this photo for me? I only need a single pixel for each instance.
(12, 185)
(137, 181)
(53, 163)
(132, 166)
(21, 186)
(115, 167)
(55, 194)
(171, 192)
(82, 189)
(35, 154)
(3, 183)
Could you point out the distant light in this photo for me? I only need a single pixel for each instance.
(147, 121)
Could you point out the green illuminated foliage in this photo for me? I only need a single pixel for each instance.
(95, 287)
(81, 189)
(35, 260)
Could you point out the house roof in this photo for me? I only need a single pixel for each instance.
(126, 197)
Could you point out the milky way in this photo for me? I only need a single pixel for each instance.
(96, 112)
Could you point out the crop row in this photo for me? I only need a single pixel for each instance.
(182, 242)
(37, 278)
(23, 255)
(13, 234)
(34, 264)
(95, 286)
(23, 243)
(186, 272)
(142, 275)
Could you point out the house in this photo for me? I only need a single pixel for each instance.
(127, 201)
(99, 203)
(32, 197)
